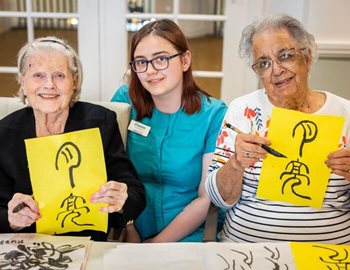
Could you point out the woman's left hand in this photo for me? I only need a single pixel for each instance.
(114, 193)
(339, 162)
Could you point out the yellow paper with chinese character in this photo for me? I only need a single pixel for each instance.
(320, 256)
(65, 170)
(306, 140)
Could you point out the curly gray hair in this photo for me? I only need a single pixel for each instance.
(53, 44)
(276, 21)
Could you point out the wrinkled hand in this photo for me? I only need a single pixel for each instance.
(27, 215)
(114, 193)
(339, 162)
(248, 150)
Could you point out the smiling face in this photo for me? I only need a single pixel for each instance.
(285, 87)
(167, 83)
(48, 82)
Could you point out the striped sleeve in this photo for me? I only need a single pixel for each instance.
(213, 192)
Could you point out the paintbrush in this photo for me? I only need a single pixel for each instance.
(267, 148)
(19, 207)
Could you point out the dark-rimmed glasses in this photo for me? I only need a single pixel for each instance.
(158, 63)
(263, 68)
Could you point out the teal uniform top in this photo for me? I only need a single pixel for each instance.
(169, 160)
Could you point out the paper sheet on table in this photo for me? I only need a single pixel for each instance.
(306, 140)
(35, 251)
(199, 256)
(65, 170)
(320, 256)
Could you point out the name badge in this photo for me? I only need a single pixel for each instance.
(139, 128)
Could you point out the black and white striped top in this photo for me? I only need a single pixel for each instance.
(253, 219)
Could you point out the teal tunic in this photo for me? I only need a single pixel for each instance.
(169, 160)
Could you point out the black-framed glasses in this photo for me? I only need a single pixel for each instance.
(158, 63)
(287, 58)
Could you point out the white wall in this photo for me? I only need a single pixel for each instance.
(329, 20)
(333, 75)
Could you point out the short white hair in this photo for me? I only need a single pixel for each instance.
(53, 44)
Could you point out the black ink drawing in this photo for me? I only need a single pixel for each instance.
(310, 131)
(335, 260)
(275, 256)
(73, 205)
(296, 173)
(41, 256)
(227, 263)
(12, 242)
(245, 260)
(73, 209)
(72, 156)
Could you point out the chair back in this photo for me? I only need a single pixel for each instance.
(11, 104)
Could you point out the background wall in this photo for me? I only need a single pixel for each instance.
(333, 75)
(102, 42)
(329, 21)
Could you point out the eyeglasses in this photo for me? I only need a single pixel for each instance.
(158, 63)
(286, 59)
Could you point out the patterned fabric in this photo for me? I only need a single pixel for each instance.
(252, 219)
(169, 160)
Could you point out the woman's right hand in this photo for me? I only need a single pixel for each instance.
(248, 149)
(25, 216)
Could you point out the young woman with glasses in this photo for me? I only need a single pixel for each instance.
(172, 134)
(280, 51)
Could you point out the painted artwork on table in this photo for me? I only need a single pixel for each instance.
(65, 170)
(321, 256)
(306, 139)
(225, 255)
(38, 252)
(199, 256)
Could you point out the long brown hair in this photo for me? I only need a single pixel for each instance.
(140, 97)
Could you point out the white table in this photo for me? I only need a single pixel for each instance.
(95, 260)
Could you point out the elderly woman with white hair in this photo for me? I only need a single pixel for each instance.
(280, 51)
(50, 78)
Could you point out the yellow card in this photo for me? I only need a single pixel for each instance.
(306, 140)
(320, 256)
(65, 170)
